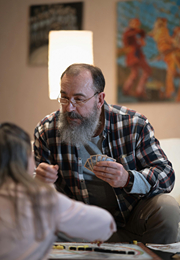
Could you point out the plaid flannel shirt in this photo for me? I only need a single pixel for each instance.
(128, 137)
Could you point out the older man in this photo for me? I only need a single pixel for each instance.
(132, 188)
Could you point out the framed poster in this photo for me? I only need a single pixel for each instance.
(44, 18)
(148, 51)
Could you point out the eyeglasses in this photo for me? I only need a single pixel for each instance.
(76, 102)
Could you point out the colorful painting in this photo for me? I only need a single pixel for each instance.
(148, 51)
(44, 18)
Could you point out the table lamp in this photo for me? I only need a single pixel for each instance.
(66, 48)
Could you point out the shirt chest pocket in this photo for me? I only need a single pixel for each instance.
(128, 161)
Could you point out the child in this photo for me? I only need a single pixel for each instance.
(31, 212)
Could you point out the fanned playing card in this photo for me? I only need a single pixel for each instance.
(90, 163)
(96, 158)
(110, 159)
(99, 156)
(93, 160)
(103, 158)
(87, 165)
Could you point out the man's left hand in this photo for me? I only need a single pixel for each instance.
(111, 172)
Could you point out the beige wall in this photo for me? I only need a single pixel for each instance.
(24, 89)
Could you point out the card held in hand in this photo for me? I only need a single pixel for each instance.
(87, 165)
(97, 158)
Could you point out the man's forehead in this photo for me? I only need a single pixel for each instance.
(83, 81)
(84, 73)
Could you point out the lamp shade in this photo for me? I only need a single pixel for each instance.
(66, 48)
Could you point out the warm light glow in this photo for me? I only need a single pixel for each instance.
(66, 48)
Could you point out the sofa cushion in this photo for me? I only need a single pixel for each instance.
(171, 147)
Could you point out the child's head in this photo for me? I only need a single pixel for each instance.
(15, 152)
(16, 165)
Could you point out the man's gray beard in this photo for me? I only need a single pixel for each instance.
(78, 134)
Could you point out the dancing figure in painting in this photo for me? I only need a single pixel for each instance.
(169, 52)
(176, 43)
(134, 40)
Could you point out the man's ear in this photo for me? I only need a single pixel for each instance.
(101, 97)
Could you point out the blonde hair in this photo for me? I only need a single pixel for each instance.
(15, 149)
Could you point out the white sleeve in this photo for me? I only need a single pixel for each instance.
(79, 220)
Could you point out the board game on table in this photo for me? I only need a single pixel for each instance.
(82, 251)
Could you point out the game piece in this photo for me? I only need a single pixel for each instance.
(72, 247)
(57, 246)
(131, 253)
(88, 249)
(86, 246)
(80, 248)
(102, 250)
(119, 252)
(60, 247)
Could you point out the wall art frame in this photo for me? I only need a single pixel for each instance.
(148, 51)
(47, 17)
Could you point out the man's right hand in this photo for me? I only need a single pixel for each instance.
(47, 173)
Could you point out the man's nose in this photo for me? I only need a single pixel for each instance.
(70, 107)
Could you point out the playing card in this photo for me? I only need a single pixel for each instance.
(93, 160)
(103, 157)
(110, 159)
(99, 156)
(87, 165)
(90, 163)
